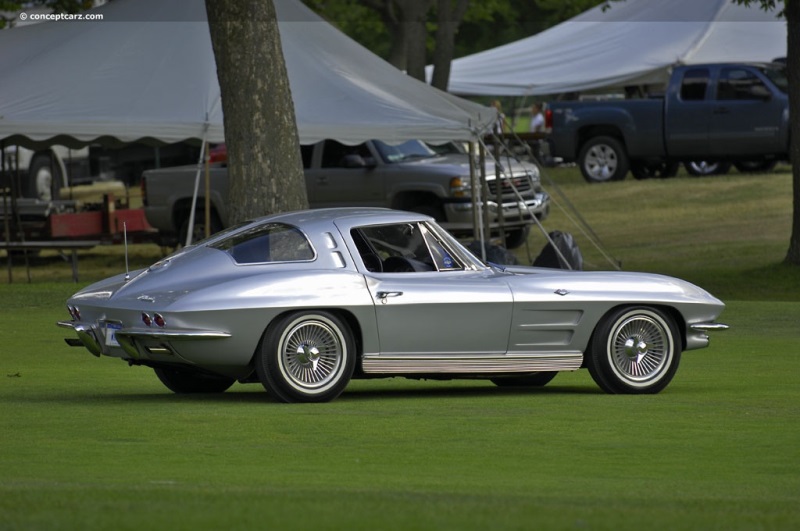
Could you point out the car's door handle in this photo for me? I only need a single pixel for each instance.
(383, 295)
(322, 180)
(722, 110)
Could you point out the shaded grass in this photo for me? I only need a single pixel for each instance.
(89, 443)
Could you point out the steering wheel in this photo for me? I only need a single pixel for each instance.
(397, 264)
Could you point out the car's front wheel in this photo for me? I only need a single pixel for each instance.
(306, 356)
(183, 382)
(634, 350)
(603, 159)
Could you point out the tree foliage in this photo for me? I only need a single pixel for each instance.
(454, 28)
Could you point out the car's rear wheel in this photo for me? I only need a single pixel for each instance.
(44, 178)
(183, 382)
(654, 170)
(199, 228)
(603, 159)
(306, 356)
(634, 350)
(702, 168)
(537, 379)
(756, 166)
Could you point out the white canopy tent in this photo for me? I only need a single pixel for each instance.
(630, 42)
(146, 72)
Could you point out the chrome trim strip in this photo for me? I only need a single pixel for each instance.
(171, 335)
(415, 364)
(709, 326)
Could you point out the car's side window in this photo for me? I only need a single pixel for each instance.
(402, 248)
(740, 84)
(694, 83)
(274, 242)
(307, 153)
(336, 155)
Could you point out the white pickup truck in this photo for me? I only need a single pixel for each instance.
(410, 176)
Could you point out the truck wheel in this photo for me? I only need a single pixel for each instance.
(755, 166)
(654, 170)
(429, 209)
(44, 178)
(199, 231)
(702, 168)
(517, 237)
(603, 159)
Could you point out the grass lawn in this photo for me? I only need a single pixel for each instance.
(89, 443)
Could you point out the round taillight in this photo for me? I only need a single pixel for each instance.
(159, 320)
(146, 319)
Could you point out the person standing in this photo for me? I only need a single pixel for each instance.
(500, 126)
(537, 124)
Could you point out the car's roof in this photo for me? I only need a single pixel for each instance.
(350, 215)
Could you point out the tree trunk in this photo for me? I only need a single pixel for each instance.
(387, 10)
(448, 20)
(265, 172)
(793, 67)
(414, 16)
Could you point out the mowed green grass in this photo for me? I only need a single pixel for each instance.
(88, 443)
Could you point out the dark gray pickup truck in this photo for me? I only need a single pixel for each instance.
(717, 113)
(409, 176)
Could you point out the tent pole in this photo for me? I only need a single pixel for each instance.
(6, 217)
(208, 194)
(473, 184)
(190, 230)
(486, 228)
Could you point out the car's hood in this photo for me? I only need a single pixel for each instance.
(459, 162)
(621, 284)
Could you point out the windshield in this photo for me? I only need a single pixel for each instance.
(412, 149)
(778, 77)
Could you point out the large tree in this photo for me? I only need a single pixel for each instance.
(791, 10)
(265, 172)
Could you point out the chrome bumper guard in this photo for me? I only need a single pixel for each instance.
(705, 327)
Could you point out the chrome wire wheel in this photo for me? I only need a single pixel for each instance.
(312, 353)
(634, 350)
(639, 349)
(306, 356)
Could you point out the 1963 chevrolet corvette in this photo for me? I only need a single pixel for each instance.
(304, 301)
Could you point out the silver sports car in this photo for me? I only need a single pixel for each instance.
(304, 301)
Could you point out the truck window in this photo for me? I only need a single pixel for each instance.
(693, 86)
(778, 77)
(333, 153)
(740, 84)
(306, 152)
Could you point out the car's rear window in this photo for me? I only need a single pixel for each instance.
(273, 242)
